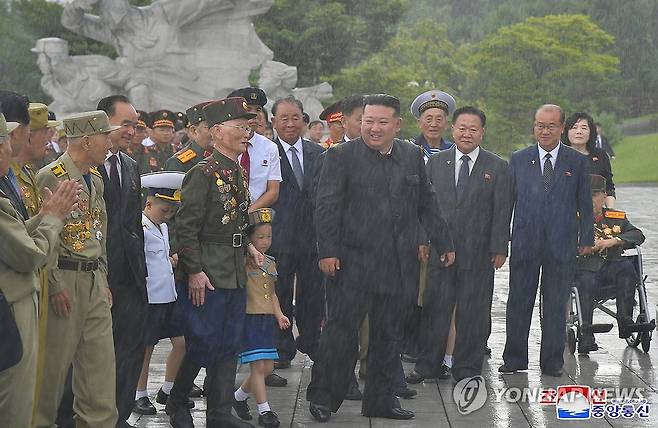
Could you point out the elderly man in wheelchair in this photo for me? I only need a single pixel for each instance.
(606, 267)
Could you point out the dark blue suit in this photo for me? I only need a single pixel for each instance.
(295, 248)
(548, 228)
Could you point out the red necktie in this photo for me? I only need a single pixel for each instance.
(244, 162)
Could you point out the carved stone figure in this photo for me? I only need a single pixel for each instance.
(76, 83)
(187, 50)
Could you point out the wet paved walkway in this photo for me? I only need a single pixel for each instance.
(614, 366)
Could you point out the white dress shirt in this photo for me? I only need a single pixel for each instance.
(542, 156)
(264, 165)
(160, 283)
(300, 151)
(108, 165)
(458, 161)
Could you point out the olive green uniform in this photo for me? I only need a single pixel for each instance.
(24, 248)
(182, 161)
(84, 338)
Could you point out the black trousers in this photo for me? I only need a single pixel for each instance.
(556, 278)
(621, 273)
(309, 308)
(471, 292)
(333, 369)
(129, 310)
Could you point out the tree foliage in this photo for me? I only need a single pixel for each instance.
(559, 59)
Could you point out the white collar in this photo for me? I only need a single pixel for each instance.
(542, 152)
(473, 155)
(298, 145)
(109, 154)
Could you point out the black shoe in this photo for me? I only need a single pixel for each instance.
(414, 378)
(394, 413)
(552, 373)
(242, 409)
(509, 369)
(161, 398)
(276, 380)
(319, 412)
(268, 419)
(445, 372)
(143, 406)
(408, 358)
(195, 392)
(353, 393)
(587, 345)
(281, 364)
(179, 417)
(405, 392)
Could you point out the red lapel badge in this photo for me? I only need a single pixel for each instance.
(487, 176)
(567, 173)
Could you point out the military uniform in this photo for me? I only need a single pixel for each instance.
(210, 228)
(608, 267)
(24, 248)
(331, 115)
(84, 338)
(190, 155)
(185, 159)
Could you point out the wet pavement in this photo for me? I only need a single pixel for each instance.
(613, 366)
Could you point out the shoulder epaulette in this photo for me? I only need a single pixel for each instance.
(186, 156)
(619, 215)
(58, 170)
(94, 171)
(211, 167)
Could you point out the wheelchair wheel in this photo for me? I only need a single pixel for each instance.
(571, 340)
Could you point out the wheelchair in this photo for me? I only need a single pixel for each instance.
(644, 325)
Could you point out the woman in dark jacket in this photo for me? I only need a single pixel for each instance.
(580, 134)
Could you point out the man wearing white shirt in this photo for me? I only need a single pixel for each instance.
(261, 160)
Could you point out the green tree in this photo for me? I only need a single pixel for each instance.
(321, 37)
(561, 59)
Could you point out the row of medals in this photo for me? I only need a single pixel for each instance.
(79, 230)
(230, 203)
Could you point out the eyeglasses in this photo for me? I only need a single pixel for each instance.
(551, 127)
(245, 129)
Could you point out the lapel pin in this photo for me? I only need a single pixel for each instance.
(567, 173)
(487, 176)
(532, 161)
(448, 162)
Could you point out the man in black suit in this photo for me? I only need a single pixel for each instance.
(552, 224)
(474, 191)
(293, 236)
(373, 195)
(125, 252)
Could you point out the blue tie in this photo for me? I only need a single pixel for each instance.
(462, 179)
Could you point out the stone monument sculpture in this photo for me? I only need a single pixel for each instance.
(187, 50)
(77, 82)
(171, 54)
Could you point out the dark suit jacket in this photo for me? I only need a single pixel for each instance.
(559, 220)
(125, 235)
(368, 213)
(293, 228)
(479, 222)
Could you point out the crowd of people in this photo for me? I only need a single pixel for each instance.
(220, 227)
